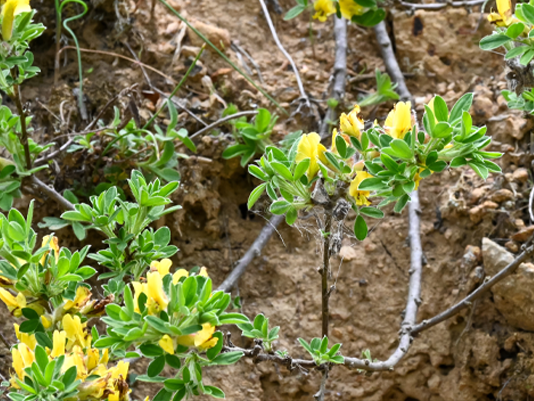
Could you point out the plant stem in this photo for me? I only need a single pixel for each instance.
(325, 291)
(58, 40)
(177, 88)
(17, 98)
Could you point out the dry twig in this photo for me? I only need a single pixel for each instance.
(439, 6)
(51, 193)
(254, 250)
(223, 120)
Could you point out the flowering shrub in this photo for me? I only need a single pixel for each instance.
(385, 162)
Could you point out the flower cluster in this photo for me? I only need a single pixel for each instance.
(325, 8)
(71, 348)
(387, 161)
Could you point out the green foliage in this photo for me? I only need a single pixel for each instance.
(259, 329)
(319, 351)
(385, 90)
(251, 137)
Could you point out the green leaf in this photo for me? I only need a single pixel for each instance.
(151, 350)
(295, 11)
(173, 361)
(279, 207)
(440, 109)
(371, 184)
(516, 51)
(401, 203)
(527, 57)
(156, 366)
(458, 162)
(255, 195)
(360, 228)
(215, 392)
(157, 324)
(291, 216)
(494, 41)
(366, 3)
(341, 146)
(257, 172)
(163, 395)
(263, 119)
(214, 351)
(401, 148)
(515, 30)
(480, 169)
(437, 166)
(463, 104)
(282, 170)
(370, 18)
(390, 164)
(441, 130)
(528, 13)
(228, 358)
(372, 212)
(301, 168)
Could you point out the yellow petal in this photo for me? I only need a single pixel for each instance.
(350, 8)
(203, 272)
(155, 290)
(59, 338)
(162, 266)
(9, 11)
(46, 322)
(8, 298)
(323, 8)
(204, 335)
(178, 275)
(359, 195)
(167, 344)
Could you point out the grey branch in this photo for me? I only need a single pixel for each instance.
(438, 6)
(223, 120)
(51, 193)
(340, 71)
(256, 248)
(392, 66)
(303, 94)
(467, 301)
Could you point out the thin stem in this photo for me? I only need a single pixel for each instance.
(17, 98)
(225, 58)
(223, 120)
(58, 42)
(303, 94)
(325, 291)
(177, 88)
(51, 193)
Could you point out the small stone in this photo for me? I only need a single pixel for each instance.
(512, 246)
(520, 175)
(433, 383)
(337, 333)
(218, 36)
(370, 247)
(172, 28)
(477, 194)
(348, 253)
(524, 234)
(502, 195)
(490, 205)
(519, 224)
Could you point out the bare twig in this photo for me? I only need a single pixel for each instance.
(4, 340)
(238, 48)
(340, 71)
(223, 120)
(109, 103)
(303, 94)
(325, 271)
(392, 66)
(51, 193)
(17, 98)
(255, 249)
(438, 6)
(528, 251)
(530, 204)
(319, 396)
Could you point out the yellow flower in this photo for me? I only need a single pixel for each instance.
(323, 8)
(359, 195)
(59, 338)
(310, 147)
(178, 274)
(83, 295)
(117, 382)
(203, 272)
(9, 11)
(350, 8)
(75, 332)
(75, 358)
(153, 289)
(504, 15)
(53, 243)
(14, 304)
(351, 124)
(167, 344)
(23, 357)
(157, 299)
(46, 322)
(202, 340)
(28, 339)
(162, 266)
(399, 120)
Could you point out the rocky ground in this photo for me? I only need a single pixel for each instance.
(470, 228)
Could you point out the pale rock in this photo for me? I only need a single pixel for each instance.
(514, 295)
(477, 194)
(348, 253)
(512, 246)
(523, 234)
(218, 36)
(520, 175)
(483, 107)
(502, 195)
(433, 383)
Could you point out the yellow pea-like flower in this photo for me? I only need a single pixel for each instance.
(504, 14)
(359, 195)
(178, 274)
(28, 339)
(323, 9)
(58, 341)
(350, 8)
(167, 344)
(14, 304)
(11, 9)
(202, 340)
(310, 147)
(351, 124)
(399, 120)
(83, 295)
(162, 267)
